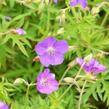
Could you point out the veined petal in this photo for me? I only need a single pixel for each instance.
(44, 74)
(54, 85)
(73, 2)
(45, 60)
(49, 41)
(83, 3)
(99, 68)
(41, 47)
(91, 62)
(61, 46)
(56, 59)
(79, 61)
(44, 89)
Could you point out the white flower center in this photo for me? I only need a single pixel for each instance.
(44, 82)
(50, 50)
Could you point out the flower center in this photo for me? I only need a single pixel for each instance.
(44, 82)
(50, 50)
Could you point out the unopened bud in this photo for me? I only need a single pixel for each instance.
(72, 48)
(60, 31)
(72, 64)
(19, 81)
(95, 10)
(68, 80)
(62, 16)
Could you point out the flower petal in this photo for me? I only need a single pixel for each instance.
(54, 85)
(89, 66)
(61, 46)
(46, 74)
(20, 31)
(79, 61)
(56, 59)
(43, 74)
(55, 1)
(43, 89)
(41, 47)
(83, 3)
(3, 105)
(44, 59)
(99, 68)
(73, 2)
(49, 41)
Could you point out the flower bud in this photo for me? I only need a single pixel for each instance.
(68, 80)
(19, 81)
(72, 63)
(95, 10)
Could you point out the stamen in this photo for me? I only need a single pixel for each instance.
(50, 50)
(44, 82)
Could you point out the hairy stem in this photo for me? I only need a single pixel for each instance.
(76, 77)
(105, 18)
(82, 91)
(64, 75)
(28, 87)
(27, 91)
(75, 13)
(7, 32)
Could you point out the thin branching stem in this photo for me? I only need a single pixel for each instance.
(82, 91)
(7, 32)
(64, 75)
(105, 18)
(76, 77)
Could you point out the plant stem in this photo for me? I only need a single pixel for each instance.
(64, 75)
(7, 32)
(75, 14)
(76, 77)
(28, 87)
(66, 91)
(27, 92)
(82, 91)
(105, 18)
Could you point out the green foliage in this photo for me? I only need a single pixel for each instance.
(86, 31)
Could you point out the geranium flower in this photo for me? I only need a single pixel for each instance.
(51, 51)
(75, 2)
(46, 82)
(55, 1)
(92, 66)
(3, 105)
(20, 31)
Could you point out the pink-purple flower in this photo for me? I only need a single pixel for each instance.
(20, 31)
(55, 1)
(75, 2)
(46, 82)
(93, 66)
(3, 105)
(51, 51)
